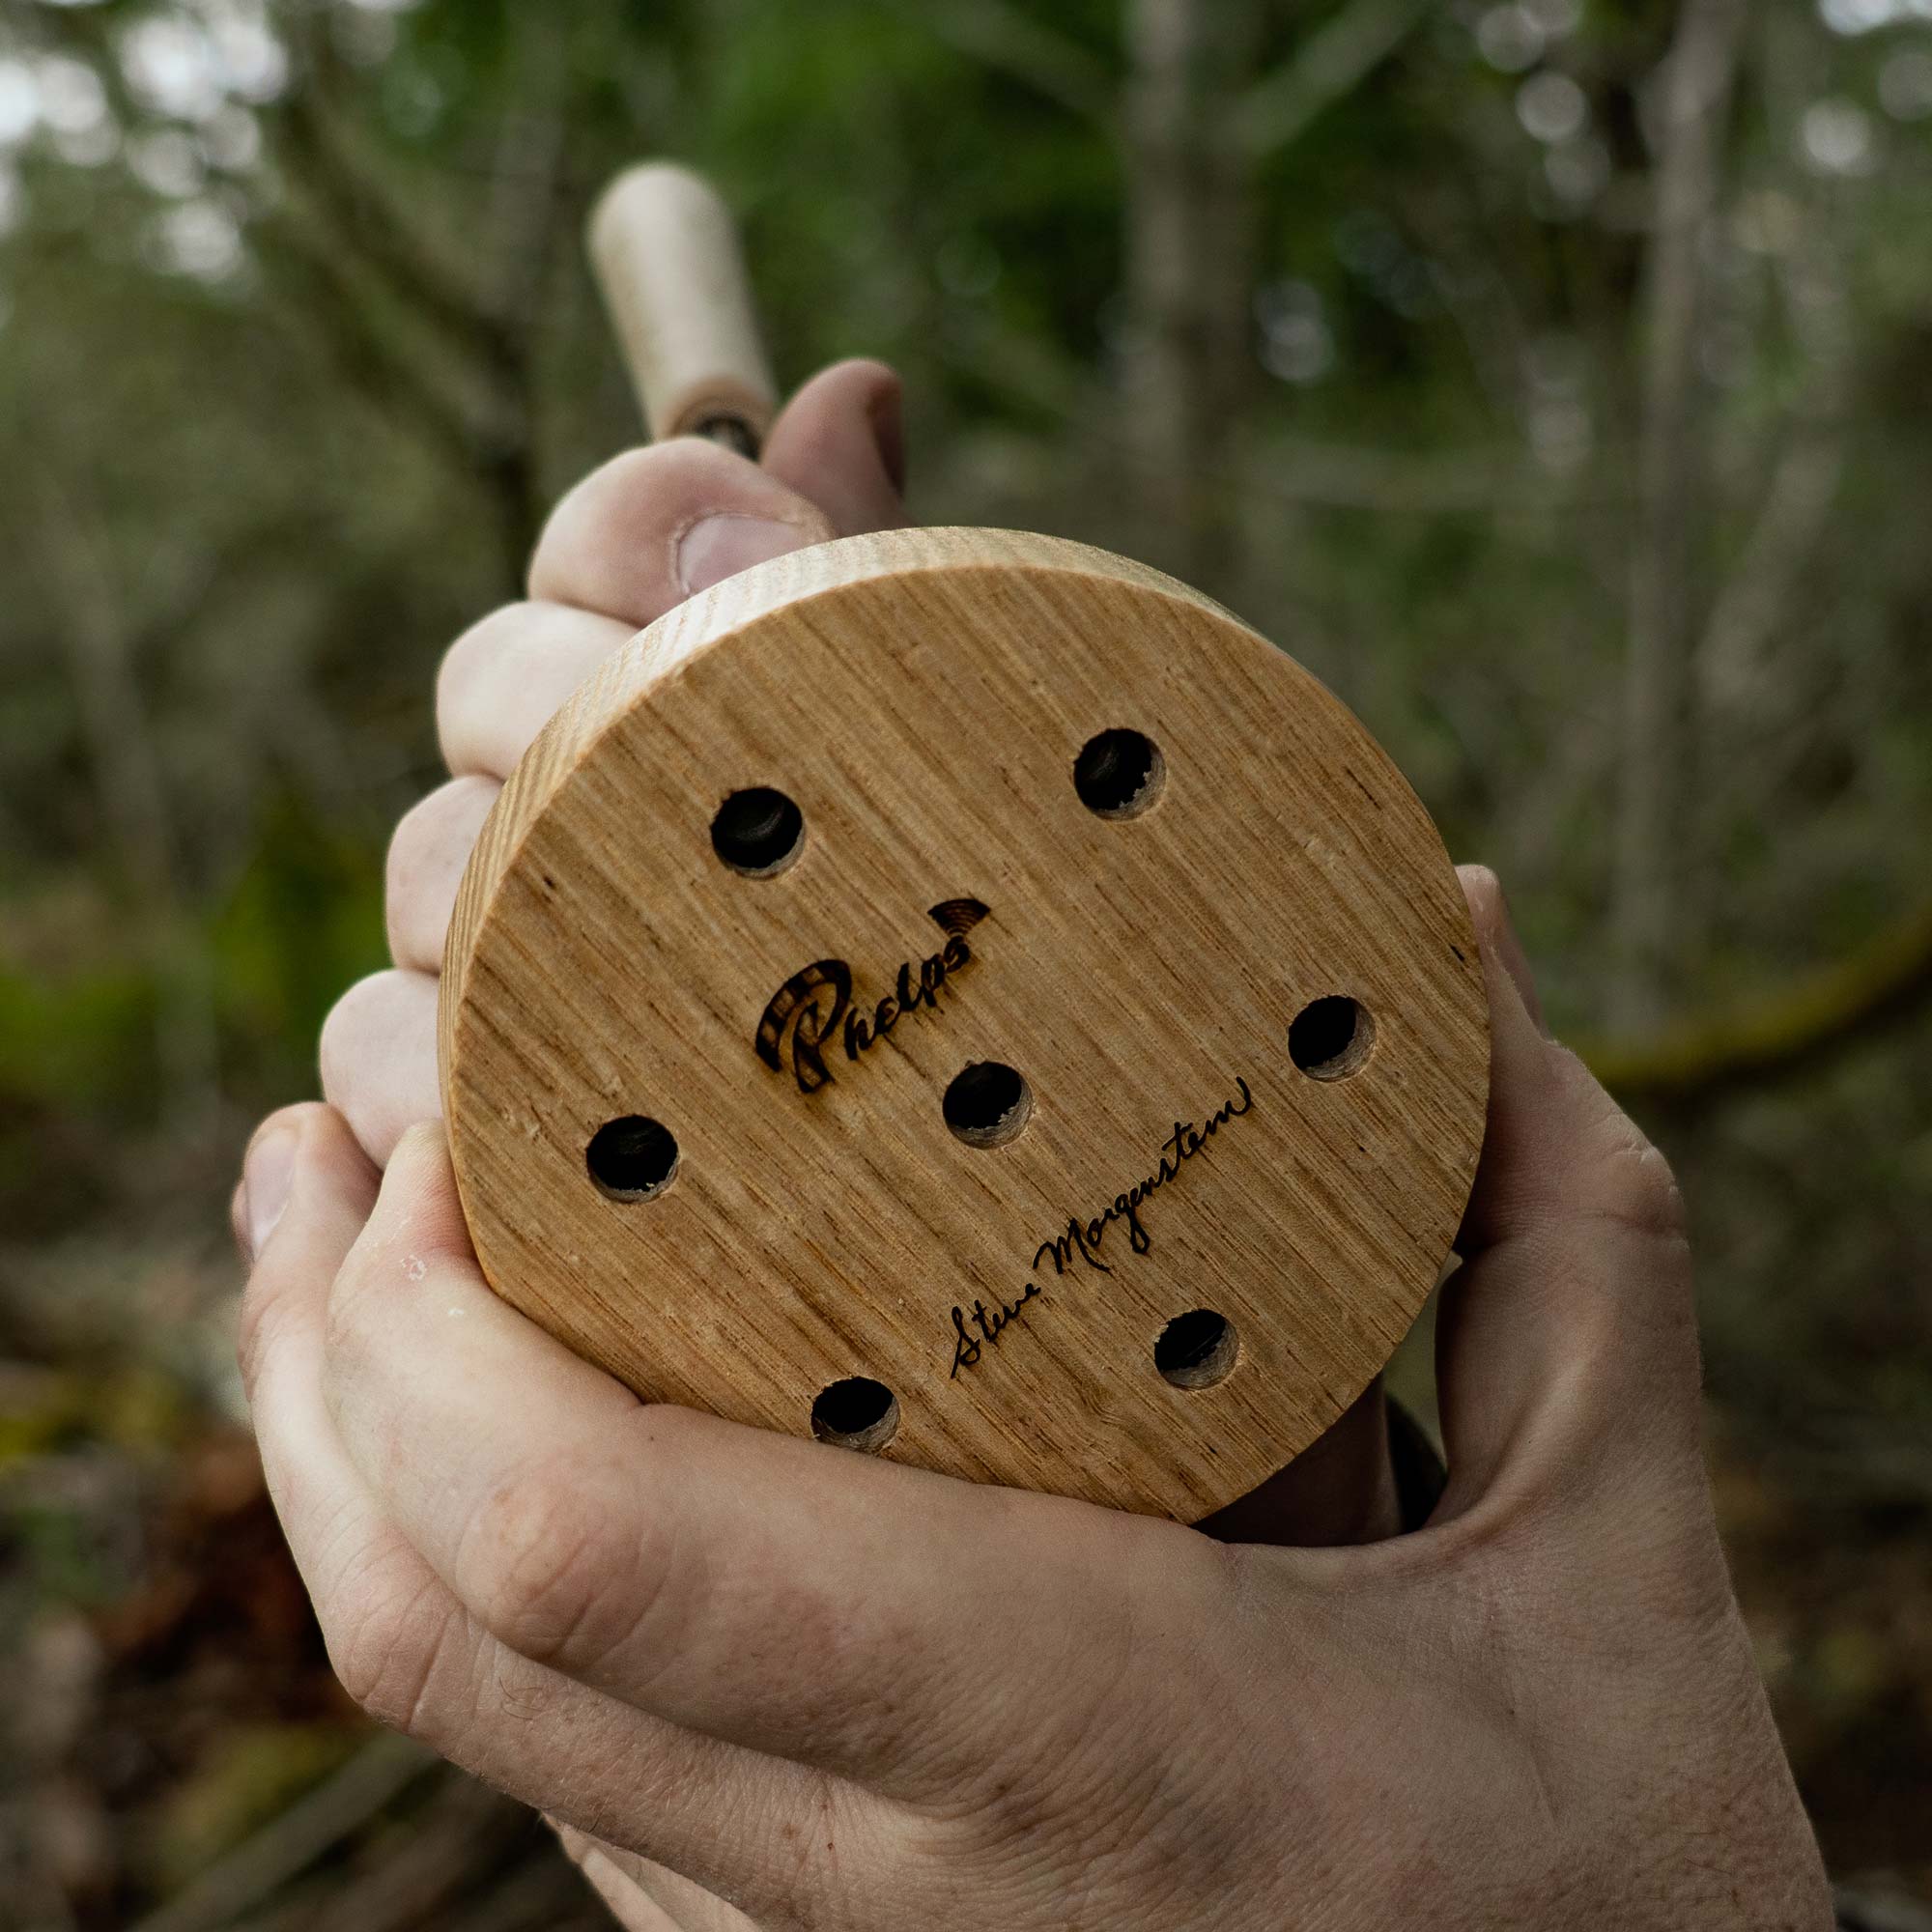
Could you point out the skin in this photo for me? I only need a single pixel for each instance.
(756, 1681)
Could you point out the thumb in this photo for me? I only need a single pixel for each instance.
(306, 1190)
(1566, 1343)
(839, 443)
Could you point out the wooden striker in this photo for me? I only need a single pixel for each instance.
(966, 996)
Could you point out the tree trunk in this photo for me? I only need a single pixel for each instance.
(1695, 90)
(135, 810)
(1189, 253)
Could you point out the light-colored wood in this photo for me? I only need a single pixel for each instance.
(923, 697)
(666, 256)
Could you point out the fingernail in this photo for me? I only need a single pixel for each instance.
(715, 548)
(267, 1176)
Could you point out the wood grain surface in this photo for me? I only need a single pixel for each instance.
(922, 699)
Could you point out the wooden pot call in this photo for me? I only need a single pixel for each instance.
(958, 994)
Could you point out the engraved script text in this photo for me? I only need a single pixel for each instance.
(974, 1329)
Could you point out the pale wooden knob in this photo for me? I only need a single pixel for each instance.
(666, 256)
(964, 996)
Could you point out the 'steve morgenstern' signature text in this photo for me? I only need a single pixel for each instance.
(972, 1328)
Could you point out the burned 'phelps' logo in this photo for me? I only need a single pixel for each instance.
(814, 1011)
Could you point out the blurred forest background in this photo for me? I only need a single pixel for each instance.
(1550, 375)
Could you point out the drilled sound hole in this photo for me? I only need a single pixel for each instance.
(855, 1413)
(1331, 1038)
(1196, 1350)
(988, 1105)
(1118, 774)
(632, 1159)
(759, 832)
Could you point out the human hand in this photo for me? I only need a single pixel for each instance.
(756, 1678)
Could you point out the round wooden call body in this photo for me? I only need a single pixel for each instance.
(966, 996)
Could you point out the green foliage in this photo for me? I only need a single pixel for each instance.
(86, 1043)
(304, 920)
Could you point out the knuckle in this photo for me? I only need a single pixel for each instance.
(354, 1024)
(1633, 1184)
(416, 833)
(472, 654)
(431, 842)
(342, 1028)
(554, 1571)
(504, 677)
(1623, 1196)
(388, 1637)
(1612, 1171)
(401, 871)
(678, 463)
(644, 489)
(344, 1341)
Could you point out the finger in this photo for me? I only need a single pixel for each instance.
(634, 1908)
(655, 525)
(895, 1627)
(504, 678)
(427, 857)
(646, 1898)
(1567, 1340)
(652, 527)
(238, 1224)
(409, 1653)
(1490, 905)
(378, 1056)
(840, 442)
(303, 1145)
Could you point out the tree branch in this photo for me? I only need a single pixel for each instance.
(130, 780)
(1004, 37)
(1279, 108)
(1473, 481)
(366, 220)
(293, 1841)
(1695, 82)
(1784, 1035)
(1773, 564)
(1797, 505)
(1187, 273)
(483, 447)
(322, 293)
